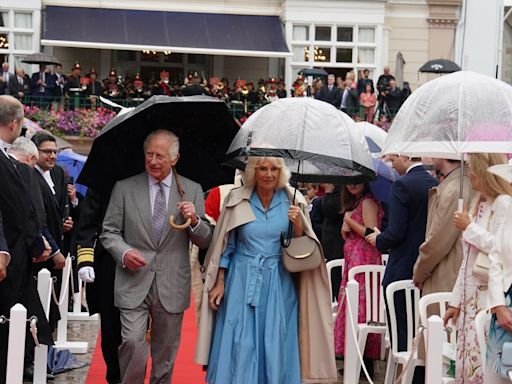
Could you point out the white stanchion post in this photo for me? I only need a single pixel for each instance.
(434, 361)
(44, 288)
(16, 346)
(62, 342)
(77, 313)
(40, 363)
(351, 362)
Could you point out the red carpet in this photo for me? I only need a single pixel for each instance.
(185, 370)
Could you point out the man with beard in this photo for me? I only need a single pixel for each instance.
(20, 236)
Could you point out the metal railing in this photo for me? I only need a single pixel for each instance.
(237, 108)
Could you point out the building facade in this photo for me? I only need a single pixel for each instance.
(337, 35)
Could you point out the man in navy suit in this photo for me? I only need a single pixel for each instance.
(330, 93)
(408, 206)
(42, 82)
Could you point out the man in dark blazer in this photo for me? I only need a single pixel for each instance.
(97, 268)
(41, 82)
(5, 76)
(21, 236)
(349, 99)
(19, 85)
(408, 207)
(330, 93)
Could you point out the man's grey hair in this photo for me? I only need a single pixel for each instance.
(175, 141)
(10, 110)
(24, 146)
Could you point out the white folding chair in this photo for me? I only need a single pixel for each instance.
(375, 311)
(384, 259)
(481, 320)
(411, 304)
(332, 264)
(440, 300)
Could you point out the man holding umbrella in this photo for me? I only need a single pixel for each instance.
(153, 267)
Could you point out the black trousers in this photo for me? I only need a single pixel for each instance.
(100, 297)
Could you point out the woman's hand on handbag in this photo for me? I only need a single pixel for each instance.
(451, 313)
(504, 317)
(216, 294)
(294, 217)
(461, 220)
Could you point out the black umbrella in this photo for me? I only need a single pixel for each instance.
(439, 66)
(40, 58)
(203, 124)
(315, 72)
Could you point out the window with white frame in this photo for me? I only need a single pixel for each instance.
(338, 46)
(17, 36)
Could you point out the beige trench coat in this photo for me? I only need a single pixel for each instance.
(440, 256)
(316, 341)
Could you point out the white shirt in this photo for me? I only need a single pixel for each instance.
(153, 189)
(4, 147)
(47, 177)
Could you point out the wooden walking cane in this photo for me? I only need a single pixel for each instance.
(185, 225)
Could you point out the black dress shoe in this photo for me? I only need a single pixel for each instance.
(28, 374)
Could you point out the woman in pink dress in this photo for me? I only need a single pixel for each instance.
(368, 101)
(361, 211)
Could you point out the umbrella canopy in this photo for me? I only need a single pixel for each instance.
(315, 72)
(203, 124)
(40, 58)
(375, 136)
(464, 112)
(72, 163)
(439, 66)
(317, 141)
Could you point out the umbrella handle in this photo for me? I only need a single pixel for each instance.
(179, 227)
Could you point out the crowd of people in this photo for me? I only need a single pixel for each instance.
(258, 322)
(361, 99)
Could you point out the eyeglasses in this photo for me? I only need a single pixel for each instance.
(48, 152)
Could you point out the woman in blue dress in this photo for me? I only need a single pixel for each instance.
(256, 333)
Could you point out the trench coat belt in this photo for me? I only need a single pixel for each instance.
(255, 275)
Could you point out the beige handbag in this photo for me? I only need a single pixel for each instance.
(482, 263)
(302, 254)
(481, 267)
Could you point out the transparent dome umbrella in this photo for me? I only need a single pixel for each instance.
(463, 112)
(375, 136)
(317, 142)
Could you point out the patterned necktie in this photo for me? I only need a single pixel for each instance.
(159, 212)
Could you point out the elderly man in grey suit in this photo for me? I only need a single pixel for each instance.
(153, 267)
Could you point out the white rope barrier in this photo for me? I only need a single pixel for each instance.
(79, 347)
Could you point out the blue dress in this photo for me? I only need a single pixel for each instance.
(255, 338)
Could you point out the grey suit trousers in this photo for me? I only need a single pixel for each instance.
(165, 340)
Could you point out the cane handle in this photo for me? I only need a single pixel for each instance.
(180, 227)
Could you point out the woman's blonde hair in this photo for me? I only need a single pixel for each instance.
(491, 184)
(254, 162)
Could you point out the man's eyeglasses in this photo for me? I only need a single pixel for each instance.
(49, 151)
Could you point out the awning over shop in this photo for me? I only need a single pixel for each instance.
(203, 33)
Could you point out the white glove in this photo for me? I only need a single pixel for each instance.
(86, 274)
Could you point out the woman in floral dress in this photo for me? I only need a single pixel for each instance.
(361, 211)
(469, 295)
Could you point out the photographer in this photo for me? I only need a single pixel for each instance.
(383, 89)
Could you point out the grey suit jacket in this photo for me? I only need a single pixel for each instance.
(128, 225)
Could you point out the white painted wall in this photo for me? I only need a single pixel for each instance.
(478, 47)
(246, 7)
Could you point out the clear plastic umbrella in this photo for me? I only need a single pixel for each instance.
(317, 142)
(464, 112)
(375, 136)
